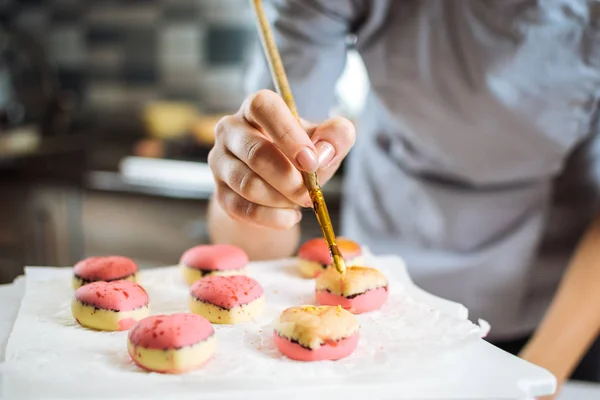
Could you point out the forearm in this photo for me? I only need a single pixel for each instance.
(573, 319)
(260, 243)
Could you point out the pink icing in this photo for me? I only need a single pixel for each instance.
(115, 295)
(227, 291)
(105, 268)
(170, 331)
(317, 250)
(328, 351)
(215, 257)
(369, 301)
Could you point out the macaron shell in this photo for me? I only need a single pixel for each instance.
(106, 320)
(116, 295)
(164, 332)
(329, 351)
(191, 275)
(369, 301)
(356, 280)
(215, 257)
(236, 315)
(309, 269)
(173, 361)
(317, 250)
(227, 291)
(109, 268)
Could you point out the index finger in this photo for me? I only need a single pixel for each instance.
(267, 110)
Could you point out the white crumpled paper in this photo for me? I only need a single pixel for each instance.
(50, 354)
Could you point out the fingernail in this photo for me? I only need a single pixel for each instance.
(307, 159)
(325, 152)
(288, 218)
(293, 219)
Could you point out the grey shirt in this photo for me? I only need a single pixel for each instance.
(476, 157)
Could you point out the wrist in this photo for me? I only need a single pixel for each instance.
(258, 242)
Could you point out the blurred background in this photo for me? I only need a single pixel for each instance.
(107, 110)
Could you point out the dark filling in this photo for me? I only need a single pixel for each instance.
(205, 272)
(96, 308)
(357, 294)
(86, 281)
(221, 307)
(303, 346)
(295, 341)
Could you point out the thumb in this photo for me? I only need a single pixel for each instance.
(333, 140)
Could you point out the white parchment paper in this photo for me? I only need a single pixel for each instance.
(50, 355)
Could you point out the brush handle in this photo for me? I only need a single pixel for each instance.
(283, 88)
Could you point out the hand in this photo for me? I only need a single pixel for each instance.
(258, 155)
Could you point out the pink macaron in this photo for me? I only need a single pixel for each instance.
(227, 299)
(110, 268)
(314, 256)
(309, 333)
(110, 306)
(217, 259)
(359, 290)
(172, 344)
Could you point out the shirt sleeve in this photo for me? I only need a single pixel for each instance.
(312, 39)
